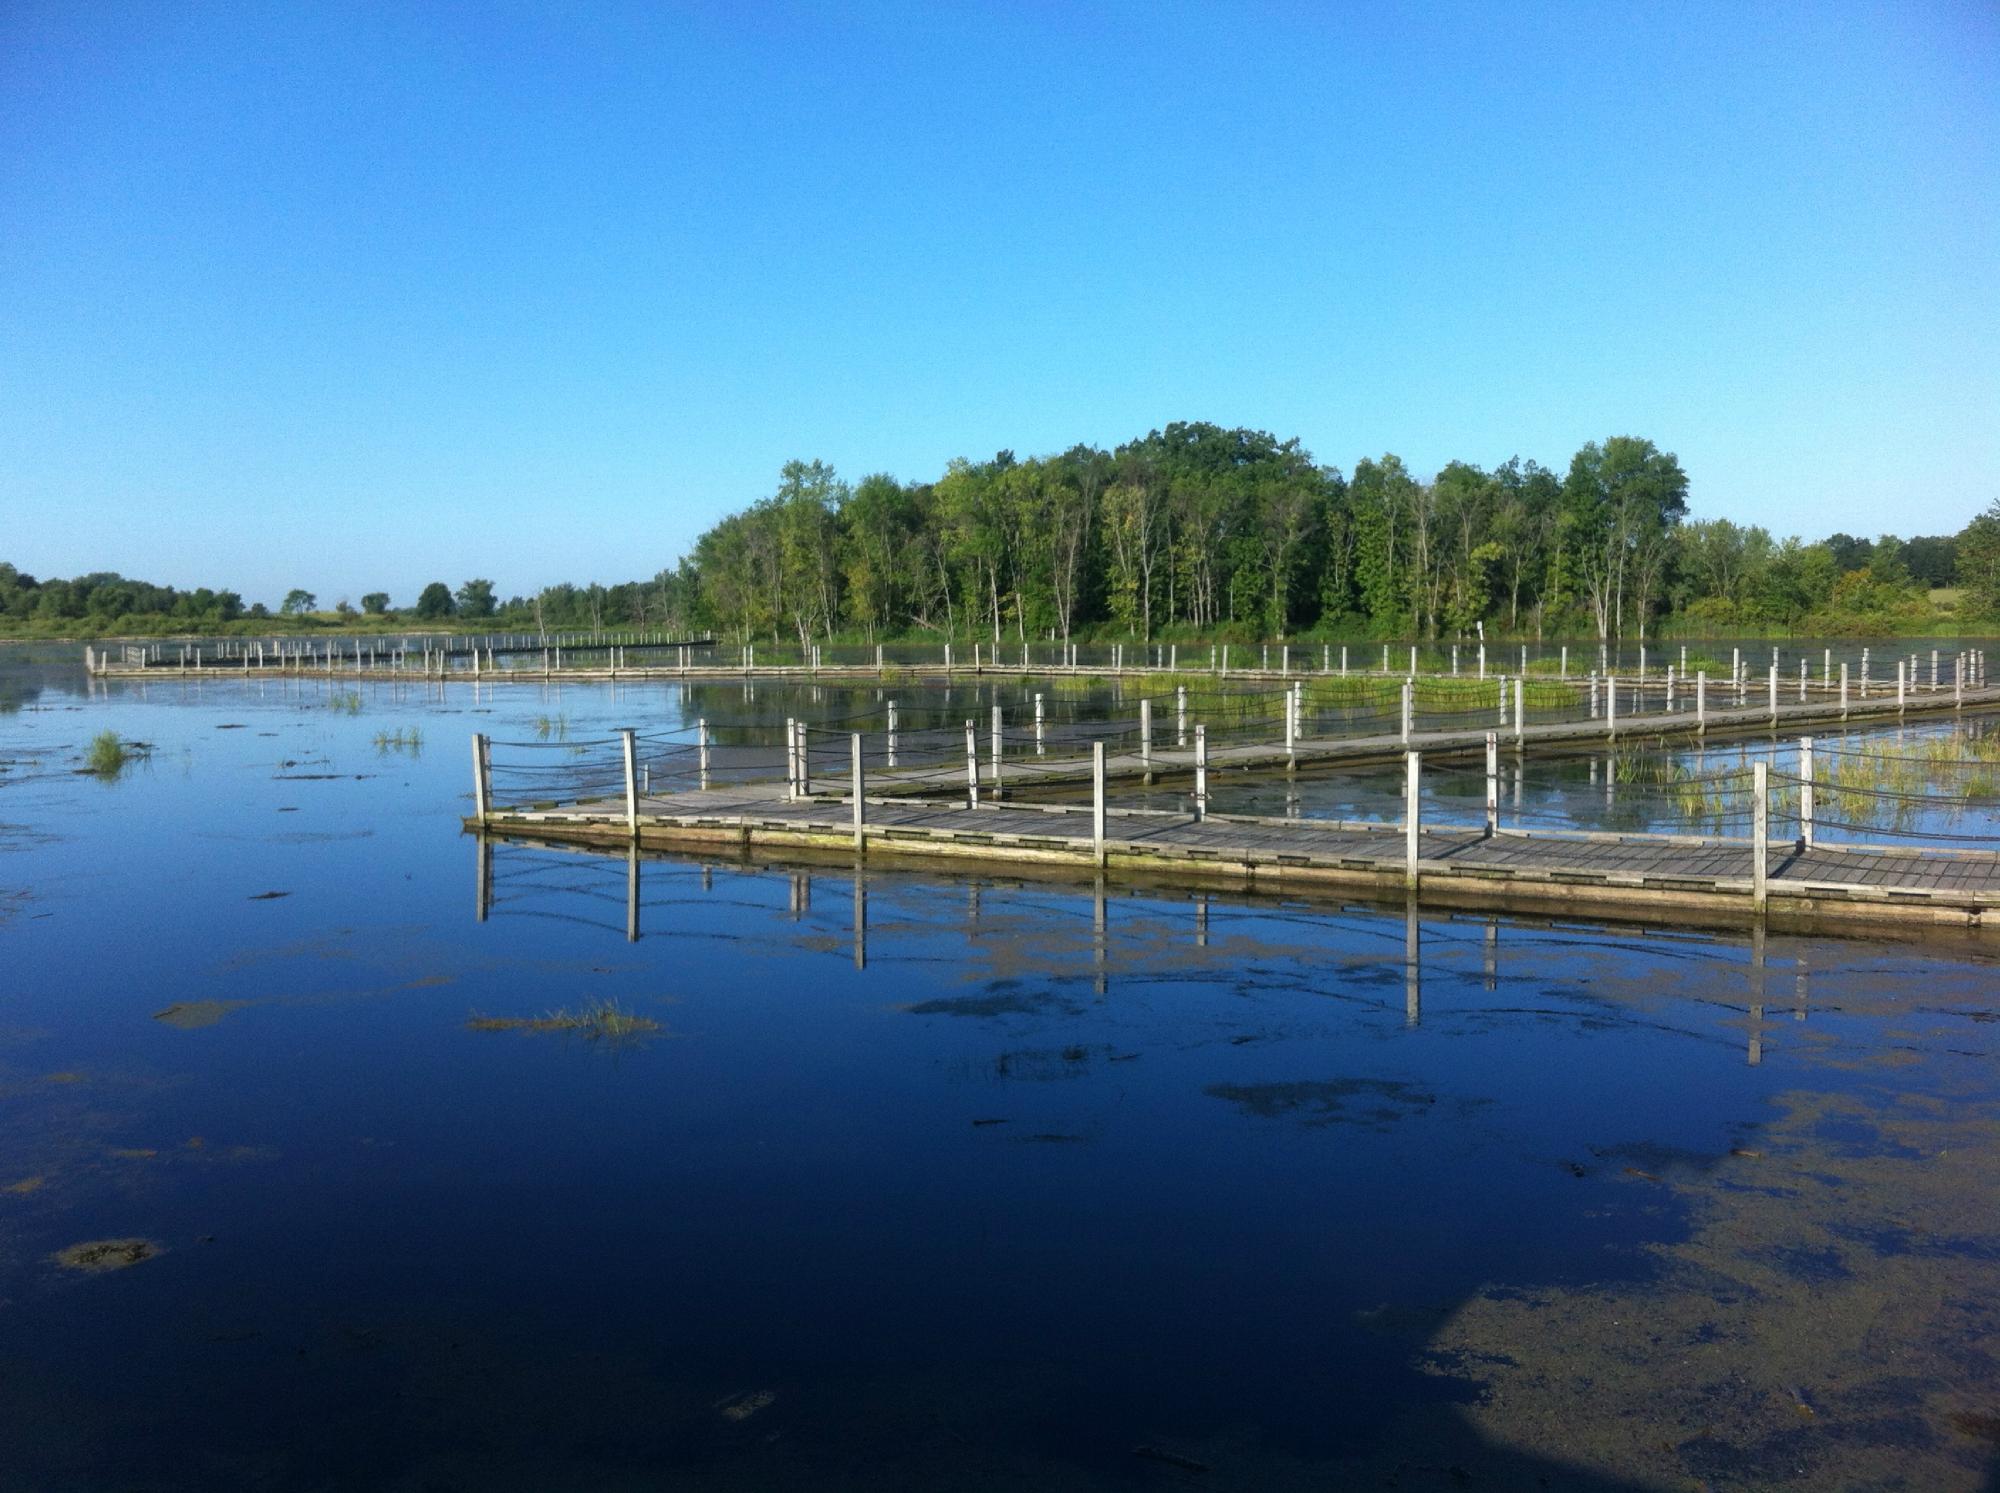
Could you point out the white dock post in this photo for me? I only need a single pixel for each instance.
(878, 659)
(482, 779)
(1843, 691)
(1225, 660)
(1482, 660)
(1565, 661)
(1412, 816)
(858, 790)
(1040, 747)
(971, 766)
(1901, 682)
(1774, 694)
(631, 752)
(1413, 660)
(1805, 793)
(1173, 658)
(1492, 784)
(1454, 658)
(791, 757)
(1735, 665)
(1180, 715)
(1805, 677)
(1097, 801)
(1760, 831)
(1594, 710)
(1201, 772)
(1826, 669)
(1701, 703)
(1611, 705)
(1520, 710)
(1406, 712)
(1934, 676)
(1864, 673)
(999, 741)
(805, 763)
(1385, 658)
(1146, 738)
(1291, 731)
(1343, 660)
(1285, 659)
(892, 727)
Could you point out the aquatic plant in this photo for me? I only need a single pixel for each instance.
(403, 739)
(108, 755)
(552, 727)
(594, 1021)
(346, 703)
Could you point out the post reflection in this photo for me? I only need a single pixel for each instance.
(1413, 971)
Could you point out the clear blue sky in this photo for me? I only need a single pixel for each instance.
(356, 296)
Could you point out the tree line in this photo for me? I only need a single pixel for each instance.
(1188, 531)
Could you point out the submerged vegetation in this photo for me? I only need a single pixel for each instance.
(552, 727)
(594, 1021)
(347, 702)
(403, 739)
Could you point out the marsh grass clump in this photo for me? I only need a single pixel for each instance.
(594, 1021)
(552, 727)
(403, 739)
(348, 702)
(108, 755)
(1941, 776)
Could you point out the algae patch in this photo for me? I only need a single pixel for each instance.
(596, 1021)
(97, 1256)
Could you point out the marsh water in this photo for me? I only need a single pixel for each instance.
(922, 1179)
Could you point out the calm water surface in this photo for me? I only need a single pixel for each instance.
(924, 1181)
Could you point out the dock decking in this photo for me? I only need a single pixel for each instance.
(1654, 877)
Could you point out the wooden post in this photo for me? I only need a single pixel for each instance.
(1041, 748)
(1774, 695)
(858, 788)
(892, 734)
(631, 753)
(971, 767)
(1180, 715)
(998, 745)
(482, 779)
(1843, 691)
(1520, 710)
(1611, 705)
(1805, 793)
(1291, 732)
(1760, 831)
(1492, 784)
(1412, 816)
(1701, 703)
(1146, 738)
(1565, 661)
(1406, 712)
(1097, 801)
(1901, 682)
(805, 763)
(791, 757)
(701, 746)
(1201, 772)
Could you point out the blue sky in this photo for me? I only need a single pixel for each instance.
(357, 296)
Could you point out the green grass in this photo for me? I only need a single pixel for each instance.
(403, 739)
(594, 1021)
(345, 703)
(552, 727)
(108, 755)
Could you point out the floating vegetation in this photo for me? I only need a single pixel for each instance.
(403, 739)
(108, 755)
(552, 727)
(595, 1021)
(96, 1256)
(346, 703)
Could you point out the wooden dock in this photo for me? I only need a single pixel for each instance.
(1650, 877)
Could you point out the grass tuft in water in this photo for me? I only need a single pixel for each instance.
(595, 1021)
(552, 727)
(403, 739)
(346, 703)
(108, 755)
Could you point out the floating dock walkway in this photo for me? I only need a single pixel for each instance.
(1798, 878)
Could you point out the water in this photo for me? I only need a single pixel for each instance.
(925, 1181)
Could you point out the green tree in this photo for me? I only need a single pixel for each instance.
(1978, 561)
(298, 601)
(434, 601)
(475, 599)
(375, 603)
